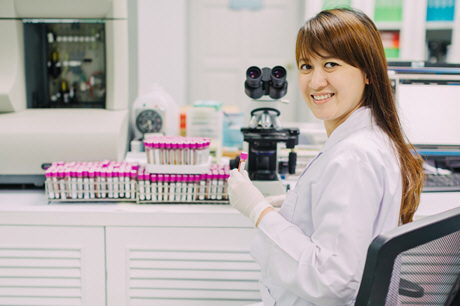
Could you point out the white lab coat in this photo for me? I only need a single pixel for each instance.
(313, 251)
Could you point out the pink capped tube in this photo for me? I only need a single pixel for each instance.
(140, 181)
(243, 158)
(160, 181)
(162, 152)
(202, 187)
(85, 183)
(220, 184)
(73, 176)
(153, 187)
(172, 187)
(133, 177)
(91, 174)
(166, 187)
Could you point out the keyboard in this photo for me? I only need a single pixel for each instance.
(435, 182)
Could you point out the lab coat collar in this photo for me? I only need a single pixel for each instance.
(360, 118)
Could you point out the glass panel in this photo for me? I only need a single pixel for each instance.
(65, 63)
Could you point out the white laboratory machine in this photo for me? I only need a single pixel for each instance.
(63, 84)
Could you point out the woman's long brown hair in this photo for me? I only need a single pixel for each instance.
(351, 36)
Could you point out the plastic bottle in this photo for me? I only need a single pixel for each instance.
(243, 158)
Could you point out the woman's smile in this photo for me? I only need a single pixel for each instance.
(321, 98)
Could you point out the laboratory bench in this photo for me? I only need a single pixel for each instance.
(115, 253)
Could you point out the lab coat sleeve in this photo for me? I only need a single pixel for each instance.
(327, 267)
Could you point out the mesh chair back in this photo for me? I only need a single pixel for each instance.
(434, 266)
(415, 264)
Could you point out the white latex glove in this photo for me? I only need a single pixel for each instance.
(277, 200)
(245, 197)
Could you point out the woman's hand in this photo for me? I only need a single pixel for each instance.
(245, 197)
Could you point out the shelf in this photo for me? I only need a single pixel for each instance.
(439, 25)
(388, 25)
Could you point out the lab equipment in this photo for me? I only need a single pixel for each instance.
(431, 127)
(66, 68)
(155, 111)
(243, 158)
(429, 249)
(264, 131)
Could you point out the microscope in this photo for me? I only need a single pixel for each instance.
(265, 131)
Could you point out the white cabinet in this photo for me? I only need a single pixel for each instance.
(180, 266)
(52, 265)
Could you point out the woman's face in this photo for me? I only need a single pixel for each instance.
(331, 88)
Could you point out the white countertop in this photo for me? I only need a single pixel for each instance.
(30, 207)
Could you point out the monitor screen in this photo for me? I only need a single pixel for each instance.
(430, 113)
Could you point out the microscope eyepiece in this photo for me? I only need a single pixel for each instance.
(253, 76)
(278, 76)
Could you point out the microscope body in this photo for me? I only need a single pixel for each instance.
(264, 130)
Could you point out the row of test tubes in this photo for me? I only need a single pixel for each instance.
(177, 150)
(91, 180)
(159, 187)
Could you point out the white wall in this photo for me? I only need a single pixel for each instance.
(162, 37)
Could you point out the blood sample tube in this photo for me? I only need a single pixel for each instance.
(49, 184)
(133, 176)
(160, 179)
(192, 155)
(161, 146)
(186, 153)
(243, 158)
(196, 192)
(91, 174)
(153, 187)
(127, 184)
(214, 177)
(115, 179)
(220, 184)
(54, 174)
(179, 179)
(167, 156)
(190, 187)
(73, 179)
(140, 177)
(183, 193)
(147, 187)
(225, 191)
(109, 179)
(202, 186)
(166, 189)
(172, 188)
(85, 183)
(208, 185)
(62, 184)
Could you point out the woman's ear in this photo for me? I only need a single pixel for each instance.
(367, 81)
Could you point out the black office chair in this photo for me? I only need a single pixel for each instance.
(415, 264)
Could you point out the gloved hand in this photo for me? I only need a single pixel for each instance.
(245, 197)
(277, 200)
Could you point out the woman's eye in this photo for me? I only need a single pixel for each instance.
(305, 67)
(330, 65)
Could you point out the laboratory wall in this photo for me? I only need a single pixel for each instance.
(162, 41)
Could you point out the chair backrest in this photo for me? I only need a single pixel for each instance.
(415, 264)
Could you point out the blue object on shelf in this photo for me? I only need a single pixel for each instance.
(440, 10)
(246, 4)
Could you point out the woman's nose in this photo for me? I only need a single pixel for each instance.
(318, 79)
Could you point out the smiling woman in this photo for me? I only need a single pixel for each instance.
(364, 181)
